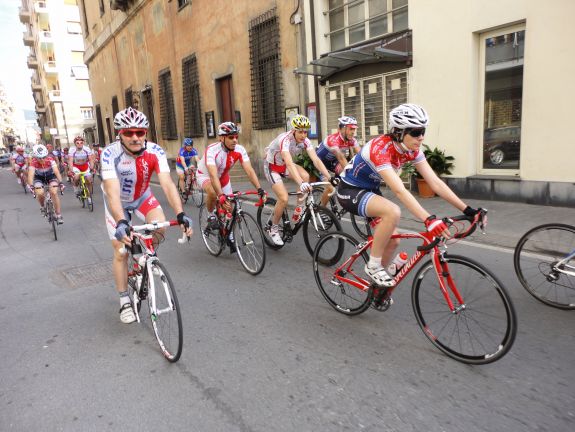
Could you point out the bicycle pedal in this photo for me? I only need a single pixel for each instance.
(383, 305)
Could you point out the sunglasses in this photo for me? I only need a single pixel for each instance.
(233, 136)
(415, 133)
(129, 133)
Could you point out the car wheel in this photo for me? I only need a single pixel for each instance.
(497, 156)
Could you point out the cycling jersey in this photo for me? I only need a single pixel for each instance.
(223, 159)
(378, 154)
(326, 149)
(133, 173)
(186, 156)
(80, 157)
(284, 142)
(19, 159)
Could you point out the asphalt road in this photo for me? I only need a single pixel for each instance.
(263, 353)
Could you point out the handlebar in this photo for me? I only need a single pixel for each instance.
(153, 226)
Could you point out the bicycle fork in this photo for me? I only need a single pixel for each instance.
(443, 276)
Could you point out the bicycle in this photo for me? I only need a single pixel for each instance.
(462, 308)
(191, 189)
(85, 195)
(23, 176)
(315, 220)
(544, 262)
(239, 230)
(48, 210)
(149, 280)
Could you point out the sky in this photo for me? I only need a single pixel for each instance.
(14, 72)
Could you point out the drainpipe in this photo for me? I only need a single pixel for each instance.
(315, 80)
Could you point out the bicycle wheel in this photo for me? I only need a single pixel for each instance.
(133, 292)
(317, 224)
(343, 297)
(197, 193)
(90, 199)
(183, 194)
(361, 225)
(250, 243)
(51, 217)
(264, 217)
(480, 331)
(211, 237)
(537, 263)
(166, 317)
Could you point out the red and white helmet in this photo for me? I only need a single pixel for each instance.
(228, 128)
(19, 148)
(347, 121)
(407, 116)
(130, 118)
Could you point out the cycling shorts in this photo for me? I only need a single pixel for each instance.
(82, 169)
(204, 180)
(140, 207)
(354, 199)
(17, 167)
(41, 180)
(180, 170)
(275, 173)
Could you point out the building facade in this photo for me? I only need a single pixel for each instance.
(60, 78)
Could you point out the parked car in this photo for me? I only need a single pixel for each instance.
(501, 145)
(5, 159)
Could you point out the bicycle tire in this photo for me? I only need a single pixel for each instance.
(326, 222)
(211, 237)
(182, 193)
(90, 199)
(24, 185)
(264, 218)
(250, 243)
(168, 306)
(197, 193)
(344, 298)
(534, 260)
(134, 292)
(52, 217)
(361, 226)
(461, 335)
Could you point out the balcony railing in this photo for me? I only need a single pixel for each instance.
(24, 15)
(41, 7)
(32, 62)
(50, 67)
(55, 96)
(28, 38)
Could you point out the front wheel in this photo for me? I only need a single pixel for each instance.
(90, 198)
(183, 194)
(482, 329)
(211, 236)
(544, 261)
(250, 244)
(318, 222)
(165, 312)
(52, 217)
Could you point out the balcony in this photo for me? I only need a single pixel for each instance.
(40, 7)
(32, 62)
(40, 110)
(24, 15)
(55, 96)
(50, 67)
(45, 37)
(28, 38)
(36, 86)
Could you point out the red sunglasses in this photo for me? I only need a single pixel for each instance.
(129, 133)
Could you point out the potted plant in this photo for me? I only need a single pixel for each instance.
(304, 161)
(440, 163)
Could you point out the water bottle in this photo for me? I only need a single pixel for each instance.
(397, 263)
(297, 214)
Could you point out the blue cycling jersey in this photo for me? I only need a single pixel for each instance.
(187, 156)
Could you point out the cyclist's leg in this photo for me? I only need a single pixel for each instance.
(282, 199)
(383, 246)
(181, 178)
(53, 189)
(89, 181)
(206, 184)
(39, 190)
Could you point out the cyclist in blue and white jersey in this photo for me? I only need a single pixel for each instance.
(187, 159)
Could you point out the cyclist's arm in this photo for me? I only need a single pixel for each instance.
(318, 163)
(213, 173)
(290, 165)
(114, 203)
(57, 172)
(91, 161)
(70, 163)
(439, 186)
(247, 166)
(393, 181)
(340, 157)
(31, 171)
(170, 191)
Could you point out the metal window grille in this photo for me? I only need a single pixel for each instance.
(192, 102)
(167, 110)
(182, 3)
(148, 107)
(100, 125)
(115, 107)
(369, 100)
(265, 63)
(129, 97)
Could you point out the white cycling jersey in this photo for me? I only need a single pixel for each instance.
(285, 142)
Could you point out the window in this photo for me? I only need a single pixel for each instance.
(100, 125)
(74, 28)
(80, 72)
(369, 100)
(77, 57)
(167, 110)
(148, 109)
(502, 55)
(182, 3)
(102, 10)
(192, 105)
(129, 97)
(87, 113)
(354, 21)
(115, 107)
(265, 62)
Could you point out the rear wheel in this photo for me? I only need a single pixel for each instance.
(183, 194)
(51, 217)
(543, 265)
(264, 217)
(165, 312)
(361, 226)
(250, 244)
(332, 276)
(211, 237)
(479, 331)
(316, 224)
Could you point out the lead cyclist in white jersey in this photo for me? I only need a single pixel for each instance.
(127, 166)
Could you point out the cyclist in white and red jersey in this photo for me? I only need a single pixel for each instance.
(44, 170)
(279, 164)
(337, 149)
(214, 168)
(359, 190)
(19, 161)
(80, 161)
(127, 167)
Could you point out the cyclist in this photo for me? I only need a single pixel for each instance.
(214, 170)
(279, 164)
(337, 149)
(187, 159)
(97, 150)
(379, 159)
(127, 166)
(54, 154)
(80, 161)
(44, 171)
(19, 161)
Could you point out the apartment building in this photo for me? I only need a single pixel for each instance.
(59, 79)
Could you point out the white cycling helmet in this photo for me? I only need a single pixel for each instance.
(130, 118)
(347, 121)
(408, 116)
(40, 151)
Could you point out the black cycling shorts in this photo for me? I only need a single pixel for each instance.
(354, 199)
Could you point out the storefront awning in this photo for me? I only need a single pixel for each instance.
(392, 48)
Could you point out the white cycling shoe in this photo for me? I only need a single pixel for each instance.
(127, 315)
(379, 276)
(276, 236)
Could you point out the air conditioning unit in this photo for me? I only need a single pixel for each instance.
(122, 5)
